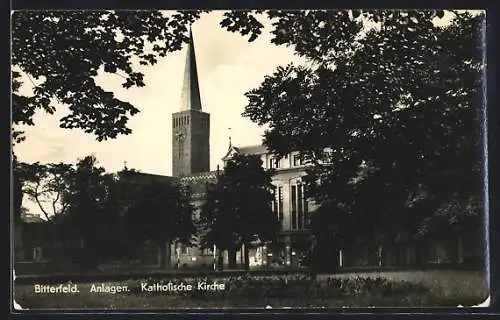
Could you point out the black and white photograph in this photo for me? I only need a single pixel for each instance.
(248, 159)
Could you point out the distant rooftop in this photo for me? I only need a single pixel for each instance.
(32, 218)
(256, 149)
(152, 177)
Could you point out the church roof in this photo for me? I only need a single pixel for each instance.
(150, 177)
(199, 177)
(190, 96)
(198, 182)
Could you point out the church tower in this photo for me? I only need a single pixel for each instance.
(190, 126)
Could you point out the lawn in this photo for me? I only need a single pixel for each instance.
(384, 289)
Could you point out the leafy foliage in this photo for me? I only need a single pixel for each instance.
(45, 184)
(86, 226)
(160, 212)
(390, 110)
(66, 50)
(101, 216)
(238, 207)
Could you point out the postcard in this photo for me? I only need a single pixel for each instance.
(272, 159)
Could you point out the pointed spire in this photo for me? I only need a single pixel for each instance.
(230, 144)
(190, 97)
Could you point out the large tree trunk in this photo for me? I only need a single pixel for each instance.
(231, 258)
(247, 262)
(220, 259)
(18, 225)
(17, 197)
(164, 254)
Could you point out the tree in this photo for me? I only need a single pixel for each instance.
(46, 185)
(115, 42)
(160, 212)
(122, 194)
(390, 112)
(17, 190)
(109, 41)
(84, 227)
(217, 224)
(238, 207)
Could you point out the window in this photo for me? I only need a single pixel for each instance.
(300, 211)
(37, 253)
(184, 249)
(294, 207)
(300, 207)
(274, 204)
(274, 163)
(297, 160)
(280, 204)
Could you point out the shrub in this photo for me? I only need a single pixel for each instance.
(286, 287)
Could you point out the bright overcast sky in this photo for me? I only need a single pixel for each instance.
(228, 66)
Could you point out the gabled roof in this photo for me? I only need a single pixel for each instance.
(230, 152)
(256, 149)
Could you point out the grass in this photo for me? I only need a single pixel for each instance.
(384, 289)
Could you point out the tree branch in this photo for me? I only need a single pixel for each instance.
(54, 203)
(35, 196)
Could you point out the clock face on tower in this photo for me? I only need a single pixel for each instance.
(180, 134)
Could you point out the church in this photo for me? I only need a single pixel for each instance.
(191, 166)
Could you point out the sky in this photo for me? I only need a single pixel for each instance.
(228, 66)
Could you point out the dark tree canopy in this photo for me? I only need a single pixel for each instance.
(65, 50)
(45, 185)
(160, 212)
(394, 114)
(238, 208)
(61, 52)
